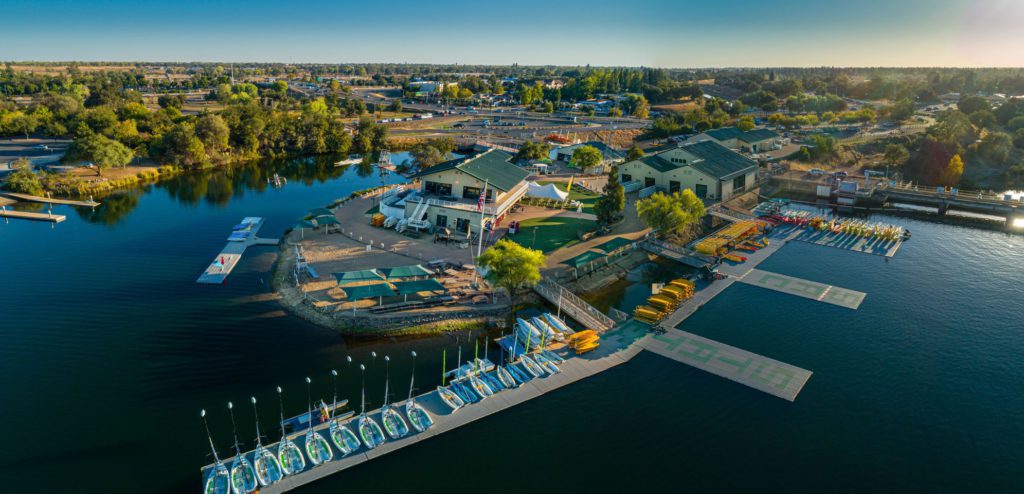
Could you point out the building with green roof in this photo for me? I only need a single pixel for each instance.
(713, 171)
(449, 192)
(744, 141)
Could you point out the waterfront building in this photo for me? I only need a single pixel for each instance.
(744, 141)
(711, 170)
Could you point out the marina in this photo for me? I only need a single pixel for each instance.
(851, 299)
(242, 237)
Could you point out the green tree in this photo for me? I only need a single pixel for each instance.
(1018, 138)
(615, 112)
(612, 200)
(745, 123)
(586, 157)
(213, 131)
(954, 170)
(465, 93)
(996, 147)
(511, 266)
(971, 104)
(634, 153)
(181, 147)
(670, 214)
(1015, 123)
(99, 149)
(533, 151)
(23, 123)
(895, 154)
(983, 119)
(24, 181)
(395, 105)
(171, 101)
(901, 110)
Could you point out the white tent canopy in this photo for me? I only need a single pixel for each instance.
(548, 191)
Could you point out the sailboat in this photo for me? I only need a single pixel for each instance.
(268, 469)
(288, 453)
(343, 437)
(448, 396)
(393, 421)
(492, 378)
(481, 388)
(418, 417)
(467, 395)
(318, 449)
(517, 374)
(243, 477)
(531, 366)
(218, 480)
(368, 428)
(553, 357)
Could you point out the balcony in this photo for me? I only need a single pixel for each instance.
(470, 205)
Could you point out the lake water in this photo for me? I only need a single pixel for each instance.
(110, 349)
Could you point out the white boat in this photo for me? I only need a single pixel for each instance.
(548, 365)
(267, 467)
(531, 366)
(450, 398)
(393, 421)
(317, 448)
(218, 479)
(481, 388)
(243, 477)
(505, 377)
(418, 417)
(369, 430)
(344, 439)
(288, 453)
(354, 159)
(552, 356)
(544, 327)
(557, 324)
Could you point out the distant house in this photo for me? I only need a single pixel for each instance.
(598, 105)
(711, 170)
(749, 141)
(449, 192)
(609, 155)
(554, 84)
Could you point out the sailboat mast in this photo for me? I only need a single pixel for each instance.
(444, 365)
(256, 414)
(280, 401)
(362, 398)
(387, 378)
(234, 429)
(309, 403)
(202, 413)
(334, 377)
(412, 377)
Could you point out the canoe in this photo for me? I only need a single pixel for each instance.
(419, 417)
(268, 469)
(317, 448)
(290, 457)
(450, 398)
(343, 437)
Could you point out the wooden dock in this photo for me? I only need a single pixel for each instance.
(48, 200)
(25, 215)
(225, 262)
(843, 297)
(848, 241)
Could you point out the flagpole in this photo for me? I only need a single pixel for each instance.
(481, 204)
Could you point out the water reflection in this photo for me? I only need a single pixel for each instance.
(112, 208)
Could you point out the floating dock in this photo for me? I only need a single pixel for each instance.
(843, 297)
(25, 215)
(225, 262)
(849, 241)
(49, 200)
(761, 373)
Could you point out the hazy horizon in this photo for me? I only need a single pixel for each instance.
(651, 33)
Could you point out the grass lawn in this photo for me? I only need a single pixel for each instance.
(552, 232)
(586, 197)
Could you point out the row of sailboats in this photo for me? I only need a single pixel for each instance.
(267, 468)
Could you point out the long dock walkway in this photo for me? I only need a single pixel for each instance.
(761, 373)
(25, 215)
(48, 200)
(843, 297)
(225, 262)
(617, 348)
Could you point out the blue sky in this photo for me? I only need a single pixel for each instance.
(662, 33)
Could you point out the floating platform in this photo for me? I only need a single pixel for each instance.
(25, 215)
(843, 297)
(761, 373)
(225, 262)
(616, 349)
(48, 200)
(848, 241)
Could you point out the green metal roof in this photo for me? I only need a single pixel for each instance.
(725, 133)
(355, 276)
(755, 135)
(404, 272)
(491, 166)
(614, 244)
(305, 224)
(320, 212)
(658, 163)
(583, 259)
(368, 291)
(719, 161)
(411, 287)
(758, 135)
(327, 220)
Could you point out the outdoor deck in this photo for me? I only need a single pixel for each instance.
(49, 200)
(225, 262)
(25, 215)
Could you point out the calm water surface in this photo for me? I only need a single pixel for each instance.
(109, 349)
